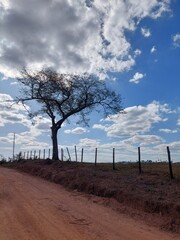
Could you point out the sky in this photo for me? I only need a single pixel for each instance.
(133, 45)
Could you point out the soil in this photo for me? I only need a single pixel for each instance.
(150, 199)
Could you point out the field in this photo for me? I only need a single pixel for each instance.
(150, 196)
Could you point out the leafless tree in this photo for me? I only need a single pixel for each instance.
(63, 95)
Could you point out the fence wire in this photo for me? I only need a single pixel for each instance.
(104, 155)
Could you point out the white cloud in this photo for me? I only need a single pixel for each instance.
(41, 123)
(137, 52)
(14, 83)
(23, 142)
(166, 130)
(4, 4)
(71, 36)
(153, 49)
(12, 114)
(138, 120)
(143, 140)
(176, 40)
(145, 32)
(136, 78)
(99, 126)
(77, 130)
(178, 122)
(175, 145)
(89, 143)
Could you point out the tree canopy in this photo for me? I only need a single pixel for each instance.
(63, 95)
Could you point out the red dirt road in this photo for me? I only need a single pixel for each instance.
(34, 209)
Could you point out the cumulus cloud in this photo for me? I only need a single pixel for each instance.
(145, 32)
(14, 83)
(176, 40)
(13, 114)
(24, 142)
(153, 49)
(136, 78)
(143, 140)
(178, 122)
(4, 4)
(166, 130)
(71, 36)
(89, 142)
(28, 140)
(137, 120)
(137, 52)
(175, 146)
(9, 111)
(77, 130)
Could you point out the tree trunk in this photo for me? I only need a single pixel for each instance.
(55, 155)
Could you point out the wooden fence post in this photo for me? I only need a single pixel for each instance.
(68, 153)
(39, 154)
(95, 156)
(139, 159)
(170, 164)
(75, 152)
(49, 153)
(114, 159)
(34, 154)
(14, 142)
(30, 154)
(62, 154)
(82, 151)
(27, 155)
(44, 154)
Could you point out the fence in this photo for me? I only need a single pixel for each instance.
(103, 155)
(114, 155)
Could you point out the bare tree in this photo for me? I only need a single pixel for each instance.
(63, 95)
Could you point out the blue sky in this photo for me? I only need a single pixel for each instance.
(133, 45)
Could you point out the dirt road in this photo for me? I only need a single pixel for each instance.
(34, 209)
